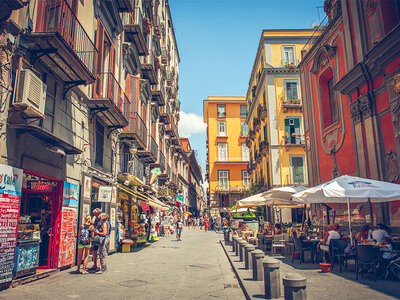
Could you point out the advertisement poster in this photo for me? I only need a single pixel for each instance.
(87, 187)
(112, 217)
(10, 197)
(67, 237)
(70, 195)
(105, 193)
(85, 211)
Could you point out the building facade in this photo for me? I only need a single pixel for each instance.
(227, 155)
(349, 77)
(275, 118)
(90, 105)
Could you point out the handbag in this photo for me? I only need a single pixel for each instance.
(98, 239)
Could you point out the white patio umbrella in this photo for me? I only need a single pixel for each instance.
(243, 209)
(346, 189)
(280, 196)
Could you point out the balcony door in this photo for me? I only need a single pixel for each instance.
(60, 15)
(222, 151)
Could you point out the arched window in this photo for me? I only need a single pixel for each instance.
(330, 110)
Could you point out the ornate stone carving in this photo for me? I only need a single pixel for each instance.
(355, 112)
(396, 83)
(332, 137)
(392, 168)
(324, 61)
(370, 7)
(367, 105)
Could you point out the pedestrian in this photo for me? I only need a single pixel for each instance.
(179, 227)
(104, 242)
(97, 226)
(85, 235)
(205, 224)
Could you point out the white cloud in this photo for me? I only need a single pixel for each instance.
(190, 124)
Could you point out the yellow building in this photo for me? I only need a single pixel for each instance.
(275, 117)
(228, 155)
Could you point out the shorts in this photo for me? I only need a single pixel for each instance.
(85, 246)
(95, 247)
(179, 231)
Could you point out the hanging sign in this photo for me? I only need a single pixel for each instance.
(105, 193)
(10, 198)
(70, 195)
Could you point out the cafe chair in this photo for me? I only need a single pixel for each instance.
(337, 251)
(277, 243)
(367, 255)
(253, 239)
(301, 247)
(268, 243)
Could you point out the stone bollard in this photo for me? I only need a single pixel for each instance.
(237, 246)
(294, 287)
(247, 255)
(242, 243)
(256, 259)
(272, 278)
(234, 243)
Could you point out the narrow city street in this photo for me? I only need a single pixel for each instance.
(194, 268)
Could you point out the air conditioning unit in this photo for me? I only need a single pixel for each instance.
(30, 93)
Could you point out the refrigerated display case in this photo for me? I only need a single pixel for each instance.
(28, 248)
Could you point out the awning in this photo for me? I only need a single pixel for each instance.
(153, 201)
(144, 206)
(132, 192)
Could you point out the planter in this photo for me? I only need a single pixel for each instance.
(325, 267)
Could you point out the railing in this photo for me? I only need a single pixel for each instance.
(137, 125)
(315, 36)
(289, 63)
(294, 140)
(162, 159)
(129, 164)
(111, 89)
(135, 18)
(233, 158)
(153, 147)
(59, 17)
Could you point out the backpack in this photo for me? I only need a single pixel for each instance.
(84, 237)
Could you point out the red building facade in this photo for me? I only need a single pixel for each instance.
(350, 80)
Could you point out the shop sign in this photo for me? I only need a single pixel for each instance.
(70, 195)
(105, 193)
(114, 195)
(87, 187)
(67, 237)
(10, 197)
(123, 196)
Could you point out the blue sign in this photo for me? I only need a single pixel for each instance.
(70, 194)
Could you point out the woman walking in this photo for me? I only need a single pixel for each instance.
(103, 247)
(85, 235)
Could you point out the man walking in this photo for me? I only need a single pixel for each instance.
(97, 226)
(178, 227)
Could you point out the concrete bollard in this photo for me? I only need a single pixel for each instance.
(234, 243)
(272, 278)
(257, 257)
(242, 243)
(237, 246)
(247, 255)
(294, 287)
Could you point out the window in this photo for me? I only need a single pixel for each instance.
(221, 111)
(297, 169)
(243, 111)
(264, 100)
(328, 98)
(291, 90)
(224, 200)
(222, 151)
(288, 55)
(244, 128)
(245, 178)
(245, 152)
(221, 128)
(266, 133)
(223, 178)
(292, 131)
(99, 143)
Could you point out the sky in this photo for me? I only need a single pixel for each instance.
(217, 42)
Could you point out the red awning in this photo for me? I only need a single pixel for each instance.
(152, 210)
(144, 206)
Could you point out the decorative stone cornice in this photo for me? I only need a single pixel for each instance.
(362, 108)
(355, 112)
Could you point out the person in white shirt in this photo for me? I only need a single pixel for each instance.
(332, 234)
(380, 233)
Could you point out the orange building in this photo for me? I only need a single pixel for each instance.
(227, 155)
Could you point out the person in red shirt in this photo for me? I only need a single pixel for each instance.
(206, 224)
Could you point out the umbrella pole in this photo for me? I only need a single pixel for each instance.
(348, 209)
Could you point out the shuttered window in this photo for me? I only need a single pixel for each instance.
(291, 91)
(297, 169)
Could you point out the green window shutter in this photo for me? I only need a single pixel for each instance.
(296, 123)
(298, 173)
(287, 126)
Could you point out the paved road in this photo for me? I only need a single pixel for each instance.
(194, 268)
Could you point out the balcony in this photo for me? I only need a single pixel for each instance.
(163, 55)
(257, 124)
(149, 155)
(135, 31)
(136, 131)
(233, 159)
(149, 68)
(293, 140)
(262, 112)
(252, 134)
(170, 130)
(126, 5)
(131, 169)
(165, 115)
(292, 104)
(264, 147)
(110, 102)
(159, 94)
(62, 44)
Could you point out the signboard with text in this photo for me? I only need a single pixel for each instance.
(10, 197)
(105, 193)
(67, 237)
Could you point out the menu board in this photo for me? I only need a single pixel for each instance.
(10, 197)
(67, 237)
